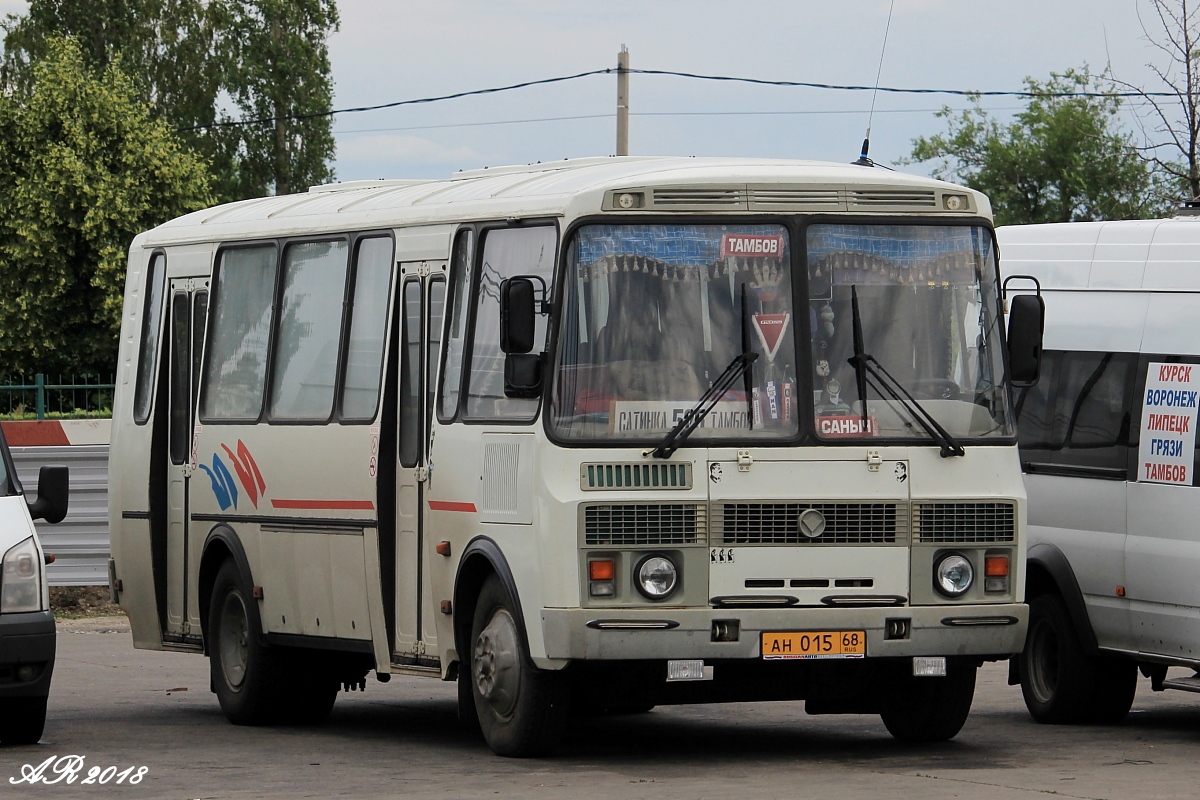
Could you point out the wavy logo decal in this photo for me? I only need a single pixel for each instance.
(223, 486)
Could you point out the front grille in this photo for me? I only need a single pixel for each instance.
(778, 523)
(630, 524)
(962, 523)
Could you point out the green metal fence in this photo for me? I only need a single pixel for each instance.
(81, 395)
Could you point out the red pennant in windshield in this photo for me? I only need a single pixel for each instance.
(770, 329)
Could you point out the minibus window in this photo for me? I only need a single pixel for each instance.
(156, 280)
(410, 376)
(235, 369)
(460, 276)
(507, 253)
(310, 324)
(368, 322)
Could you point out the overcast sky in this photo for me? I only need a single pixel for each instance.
(391, 50)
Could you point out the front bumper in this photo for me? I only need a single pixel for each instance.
(987, 631)
(26, 639)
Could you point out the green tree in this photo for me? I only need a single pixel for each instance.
(84, 167)
(1063, 158)
(188, 58)
(278, 69)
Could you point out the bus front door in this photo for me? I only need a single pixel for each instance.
(188, 311)
(422, 296)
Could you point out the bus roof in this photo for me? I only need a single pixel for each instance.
(575, 186)
(1145, 254)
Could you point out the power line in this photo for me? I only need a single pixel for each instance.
(813, 112)
(672, 73)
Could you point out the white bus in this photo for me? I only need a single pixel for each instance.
(588, 434)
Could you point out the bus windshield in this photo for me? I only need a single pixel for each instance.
(928, 308)
(654, 313)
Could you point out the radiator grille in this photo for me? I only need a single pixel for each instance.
(964, 522)
(778, 523)
(644, 524)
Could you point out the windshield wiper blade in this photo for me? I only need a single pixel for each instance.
(865, 364)
(696, 414)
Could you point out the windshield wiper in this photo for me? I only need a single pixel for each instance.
(865, 364)
(696, 414)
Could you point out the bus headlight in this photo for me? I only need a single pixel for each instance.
(953, 575)
(21, 579)
(656, 577)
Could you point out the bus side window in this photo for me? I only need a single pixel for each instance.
(310, 325)
(368, 323)
(410, 375)
(235, 363)
(156, 281)
(456, 338)
(507, 253)
(437, 307)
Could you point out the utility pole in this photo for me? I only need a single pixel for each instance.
(623, 102)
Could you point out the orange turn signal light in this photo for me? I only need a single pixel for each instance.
(995, 566)
(604, 570)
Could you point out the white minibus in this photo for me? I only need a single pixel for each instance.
(578, 435)
(1108, 446)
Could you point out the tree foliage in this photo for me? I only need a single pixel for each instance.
(84, 167)
(195, 62)
(1064, 158)
(1172, 124)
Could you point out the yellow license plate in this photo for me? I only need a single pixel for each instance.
(814, 644)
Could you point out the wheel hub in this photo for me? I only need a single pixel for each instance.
(234, 640)
(496, 666)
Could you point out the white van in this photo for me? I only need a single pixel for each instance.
(26, 624)
(1108, 446)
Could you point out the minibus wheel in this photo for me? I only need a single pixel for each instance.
(246, 674)
(522, 710)
(924, 709)
(22, 720)
(1058, 680)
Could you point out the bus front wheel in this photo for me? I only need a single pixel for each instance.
(246, 674)
(522, 710)
(922, 709)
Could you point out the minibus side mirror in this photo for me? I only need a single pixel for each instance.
(518, 308)
(1026, 323)
(53, 490)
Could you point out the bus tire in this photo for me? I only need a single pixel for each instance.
(522, 710)
(22, 720)
(923, 709)
(1116, 684)
(312, 691)
(246, 674)
(1058, 680)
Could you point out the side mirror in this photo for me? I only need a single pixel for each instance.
(522, 375)
(1026, 322)
(53, 489)
(518, 309)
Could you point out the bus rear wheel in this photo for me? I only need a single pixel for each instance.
(247, 675)
(522, 710)
(922, 709)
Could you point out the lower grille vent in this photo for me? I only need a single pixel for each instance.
(644, 524)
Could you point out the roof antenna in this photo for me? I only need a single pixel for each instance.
(863, 160)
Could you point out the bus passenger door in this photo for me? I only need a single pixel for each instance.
(188, 311)
(422, 296)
